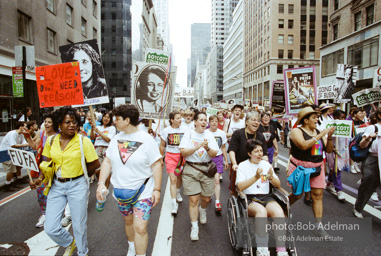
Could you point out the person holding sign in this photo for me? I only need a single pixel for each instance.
(69, 184)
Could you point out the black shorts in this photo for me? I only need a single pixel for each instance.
(261, 199)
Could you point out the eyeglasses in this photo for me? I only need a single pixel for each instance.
(71, 122)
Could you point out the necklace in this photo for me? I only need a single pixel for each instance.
(255, 135)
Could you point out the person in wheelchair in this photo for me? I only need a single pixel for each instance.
(254, 178)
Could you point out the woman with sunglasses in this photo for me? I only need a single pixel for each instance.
(188, 124)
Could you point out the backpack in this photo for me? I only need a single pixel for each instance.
(356, 153)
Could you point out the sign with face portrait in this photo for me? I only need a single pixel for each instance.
(300, 88)
(346, 76)
(277, 102)
(59, 85)
(93, 80)
(152, 89)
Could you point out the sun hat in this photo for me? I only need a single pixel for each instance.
(326, 105)
(302, 113)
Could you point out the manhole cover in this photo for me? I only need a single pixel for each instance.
(14, 249)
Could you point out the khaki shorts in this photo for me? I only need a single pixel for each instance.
(195, 182)
(9, 167)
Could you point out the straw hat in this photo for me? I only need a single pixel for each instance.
(326, 105)
(302, 113)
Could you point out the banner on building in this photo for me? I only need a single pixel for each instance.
(95, 90)
(377, 78)
(59, 85)
(366, 97)
(155, 56)
(277, 102)
(343, 128)
(300, 88)
(346, 76)
(17, 83)
(153, 88)
(327, 92)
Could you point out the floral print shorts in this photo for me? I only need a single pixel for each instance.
(141, 209)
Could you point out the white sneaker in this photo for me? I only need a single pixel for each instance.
(175, 208)
(41, 221)
(353, 170)
(331, 188)
(131, 251)
(202, 215)
(282, 254)
(194, 234)
(179, 199)
(357, 214)
(221, 177)
(357, 168)
(66, 221)
(374, 197)
(340, 195)
(263, 251)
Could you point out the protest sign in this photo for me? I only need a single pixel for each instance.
(59, 85)
(300, 88)
(367, 96)
(155, 56)
(93, 80)
(377, 78)
(25, 159)
(326, 92)
(18, 89)
(346, 76)
(343, 128)
(211, 112)
(247, 103)
(223, 105)
(152, 90)
(277, 102)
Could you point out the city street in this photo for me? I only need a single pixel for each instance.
(106, 233)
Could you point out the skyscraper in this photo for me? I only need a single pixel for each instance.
(161, 10)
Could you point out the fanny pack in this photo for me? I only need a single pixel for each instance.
(129, 196)
(208, 169)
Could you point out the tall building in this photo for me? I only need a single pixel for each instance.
(354, 39)
(161, 10)
(200, 46)
(45, 25)
(280, 34)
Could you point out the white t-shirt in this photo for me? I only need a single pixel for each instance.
(220, 137)
(109, 131)
(187, 126)
(131, 158)
(370, 129)
(192, 138)
(22, 118)
(172, 138)
(247, 170)
(10, 139)
(236, 125)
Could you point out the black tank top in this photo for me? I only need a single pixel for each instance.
(313, 154)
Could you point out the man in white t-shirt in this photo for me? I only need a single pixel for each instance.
(235, 122)
(13, 139)
(28, 114)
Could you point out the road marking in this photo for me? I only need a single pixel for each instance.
(376, 213)
(42, 244)
(14, 196)
(163, 238)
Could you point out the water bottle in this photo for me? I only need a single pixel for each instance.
(178, 170)
(101, 203)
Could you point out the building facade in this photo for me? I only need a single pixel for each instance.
(46, 25)
(161, 10)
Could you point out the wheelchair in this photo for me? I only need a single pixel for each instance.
(241, 232)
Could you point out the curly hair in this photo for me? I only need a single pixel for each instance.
(172, 116)
(127, 110)
(251, 144)
(59, 115)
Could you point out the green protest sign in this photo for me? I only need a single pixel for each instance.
(17, 82)
(367, 96)
(211, 112)
(343, 128)
(156, 56)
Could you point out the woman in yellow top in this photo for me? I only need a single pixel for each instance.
(69, 184)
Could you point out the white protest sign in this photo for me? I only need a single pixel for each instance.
(327, 92)
(343, 128)
(25, 159)
(377, 78)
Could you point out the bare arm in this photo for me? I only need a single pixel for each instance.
(157, 175)
(297, 138)
(105, 172)
(162, 146)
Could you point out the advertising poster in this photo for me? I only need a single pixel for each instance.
(326, 92)
(93, 80)
(277, 102)
(155, 56)
(343, 128)
(300, 88)
(17, 84)
(59, 85)
(377, 78)
(153, 88)
(366, 97)
(346, 77)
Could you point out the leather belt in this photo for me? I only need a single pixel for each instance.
(63, 180)
(202, 163)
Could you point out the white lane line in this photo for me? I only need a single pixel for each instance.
(164, 232)
(14, 196)
(41, 244)
(376, 213)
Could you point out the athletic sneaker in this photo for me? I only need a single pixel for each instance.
(263, 251)
(331, 188)
(218, 207)
(41, 221)
(202, 215)
(357, 168)
(353, 170)
(374, 197)
(340, 195)
(175, 208)
(66, 221)
(131, 251)
(221, 178)
(194, 234)
(282, 254)
(357, 214)
(179, 199)
(69, 250)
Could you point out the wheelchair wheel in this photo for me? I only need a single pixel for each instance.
(232, 223)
